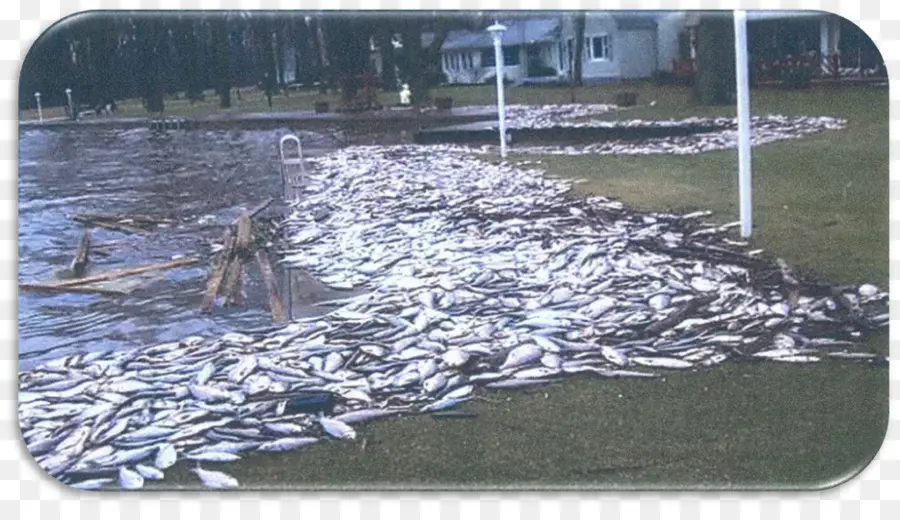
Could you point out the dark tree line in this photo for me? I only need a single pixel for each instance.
(104, 56)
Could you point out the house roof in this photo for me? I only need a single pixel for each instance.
(633, 21)
(755, 15)
(760, 16)
(518, 32)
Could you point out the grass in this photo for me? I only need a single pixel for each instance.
(752, 425)
(820, 202)
(254, 100)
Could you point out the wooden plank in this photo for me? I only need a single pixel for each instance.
(82, 253)
(218, 272)
(240, 253)
(111, 243)
(43, 287)
(258, 209)
(121, 273)
(108, 225)
(118, 217)
(275, 304)
(234, 283)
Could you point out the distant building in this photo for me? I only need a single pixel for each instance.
(638, 44)
(616, 46)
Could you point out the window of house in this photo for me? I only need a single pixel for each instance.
(510, 56)
(470, 59)
(487, 58)
(599, 48)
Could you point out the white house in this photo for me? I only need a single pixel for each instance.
(635, 44)
(616, 46)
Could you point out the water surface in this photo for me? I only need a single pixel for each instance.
(202, 179)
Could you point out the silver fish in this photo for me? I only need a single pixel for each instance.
(129, 479)
(337, 429)
(215, 479)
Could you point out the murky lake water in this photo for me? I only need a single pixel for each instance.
(201, 179)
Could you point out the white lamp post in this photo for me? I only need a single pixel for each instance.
(37, 96)
(71, 108)
(743, 112)
(496, 31)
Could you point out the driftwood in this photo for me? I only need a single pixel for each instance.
(218, 272)
(111, 243)
(50, 287)
(110, 225)
(275, 304)
(121, 273)
(255, 211)
(119, 217)
(240, 253)
(82, 252)
(227, 274)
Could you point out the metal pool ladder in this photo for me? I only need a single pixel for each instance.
(293, 168)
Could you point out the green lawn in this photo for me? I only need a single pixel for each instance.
(820, 202)
(254, 100)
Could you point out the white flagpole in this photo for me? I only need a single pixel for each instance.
(743, 112)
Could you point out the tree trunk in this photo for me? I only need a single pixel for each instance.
(578, 50)
(317, 38)
(191, 64)
(105, 63)
(419, 62)
(715, 80)
(348, 43)
(152, 58)
(221, 65)
(388, 64)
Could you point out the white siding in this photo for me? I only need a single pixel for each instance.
(636, 55)
(596, 24)
(669, 25)
(637, 50)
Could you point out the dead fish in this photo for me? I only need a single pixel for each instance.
(129, 479)
(661, 362)
(215, 479)
(337, 429)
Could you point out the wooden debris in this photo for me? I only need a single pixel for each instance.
(275, 304)
(226, 279)
(257, 210)
(240, 253)
(218, 272)
(50, 287)
(121, 273)
(110, 225)
(82, 252)
(121, 217)
(104, 245)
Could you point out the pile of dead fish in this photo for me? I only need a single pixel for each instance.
(467, 277)
(551, 116)
(722, 134)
